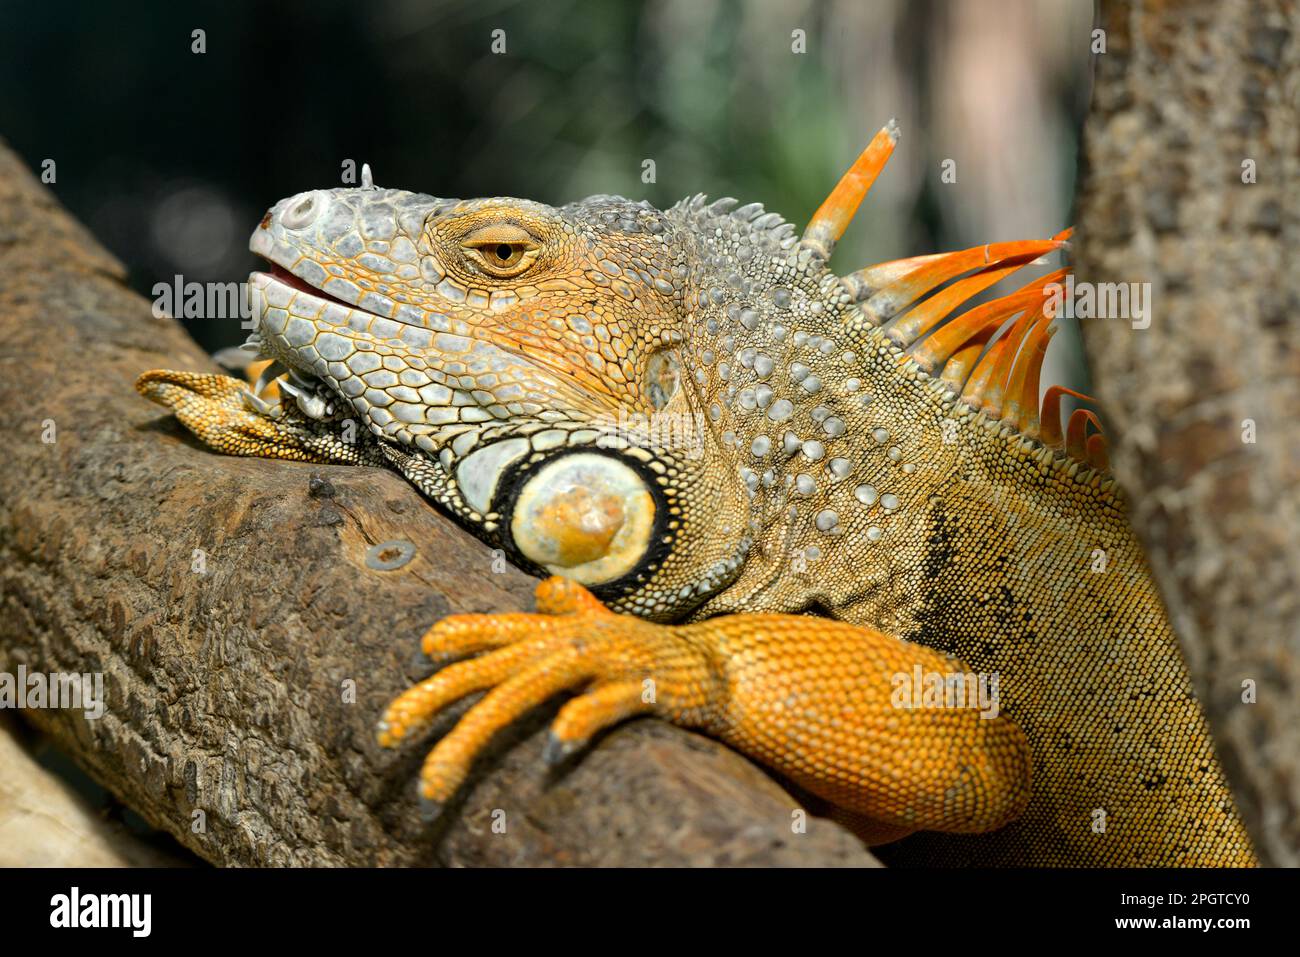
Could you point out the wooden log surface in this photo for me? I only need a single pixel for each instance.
(245, 646)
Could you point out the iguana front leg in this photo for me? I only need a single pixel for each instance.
(812, 698)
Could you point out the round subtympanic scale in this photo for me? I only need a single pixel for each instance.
(588, 517)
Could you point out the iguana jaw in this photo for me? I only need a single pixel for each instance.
(333, 358)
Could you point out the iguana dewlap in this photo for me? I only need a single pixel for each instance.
(729, 446)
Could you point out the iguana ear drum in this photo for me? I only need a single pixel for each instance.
(586, 516)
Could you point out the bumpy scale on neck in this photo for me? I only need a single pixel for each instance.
(838, 453)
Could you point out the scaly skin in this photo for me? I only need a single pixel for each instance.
(688, 413)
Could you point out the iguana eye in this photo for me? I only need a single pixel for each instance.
(501, 250)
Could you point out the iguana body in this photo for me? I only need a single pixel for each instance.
(687, 412)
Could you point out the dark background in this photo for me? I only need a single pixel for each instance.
(171, 156)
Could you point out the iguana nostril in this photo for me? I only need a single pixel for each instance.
(302, 210)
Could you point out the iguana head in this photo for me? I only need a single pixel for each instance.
(580, 385)
(521, 364)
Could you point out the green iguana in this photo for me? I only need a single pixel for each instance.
(819, 517)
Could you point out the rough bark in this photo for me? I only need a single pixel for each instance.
(228, 720)
(1185, 94)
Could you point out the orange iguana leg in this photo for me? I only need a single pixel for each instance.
(814, 699)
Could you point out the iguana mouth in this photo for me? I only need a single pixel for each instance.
(311, 393)
(283, 276)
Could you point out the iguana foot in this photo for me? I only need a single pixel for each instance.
(215, 409)
(815, 699)
(230, 416)
(573, 641)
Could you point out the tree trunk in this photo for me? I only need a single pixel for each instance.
(1192, 101)
(245, 646)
